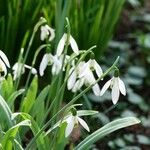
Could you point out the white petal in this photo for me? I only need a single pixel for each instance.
(70, 126)
(17, 70)
(44, 63)
(105, 87)
(52, 36)
(74, 45)
(33, 70)
(122, 86)
(3, 67)
(61, 45)
(83, 123)
(57, 64)
(71, 80)
(83, 69)
(115, 91)
(89, 77)
(98, 69)
(78, 85)
(96, 90)
(44, 33)
(4, 58)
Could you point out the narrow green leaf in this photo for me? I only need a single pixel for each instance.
(105, 130)
(11, 133)
(13, 97)
(86, 112)
(18, 146)
(39, 103)
(5, 112)
(30, 96)
(41, 144)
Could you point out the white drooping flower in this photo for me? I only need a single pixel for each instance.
(46, 60)
(3, 63)
(74, 82)
(55, 61)
(47, 32)
(83, 75)
(62, 44)
(57, 64)
(19, 68)
(72, 121)
(87, 74)
(117, 86)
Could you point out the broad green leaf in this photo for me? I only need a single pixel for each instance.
(11, 134)
(105, 130)
(5, 112)
(61, 141)
(10, 85)
(29, 100)
(13, 97)
(7, 87)
(38, 107)
(41, 144)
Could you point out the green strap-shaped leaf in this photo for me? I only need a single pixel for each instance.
(13, 97)
(7, 87)
(30, 96)
(40, 104)
(6, 112)
(41, 144)
(105, 130)
(11, 133)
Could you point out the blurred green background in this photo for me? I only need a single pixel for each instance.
(118, 28)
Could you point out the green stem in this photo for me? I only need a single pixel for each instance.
(41, 21)
(33, 63)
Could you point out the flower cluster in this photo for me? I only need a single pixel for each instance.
(80, 74)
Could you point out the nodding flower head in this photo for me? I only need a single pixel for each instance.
(19, 68)
(54, 60)
(83, 75)
(4, 63)
(62, 44)
(72, 121)
(47, 32)
(117, 86)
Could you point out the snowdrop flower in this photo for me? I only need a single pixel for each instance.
(55, 61)
(72, 121)
(19, 69)
(117, 86)
(46, 32)
(83, 75)
(57, 64)
(74, 83)
(46, 60)
(62, 43)
(4, 63)
(87, 74)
